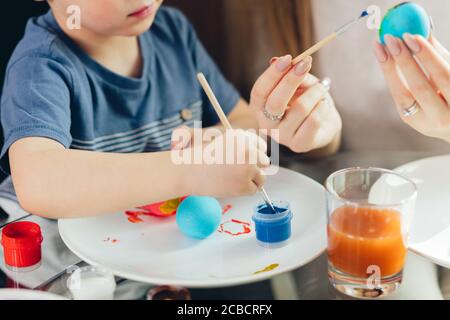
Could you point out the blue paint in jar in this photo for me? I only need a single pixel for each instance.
(273, 230)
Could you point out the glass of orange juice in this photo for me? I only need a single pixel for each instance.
(369, 213)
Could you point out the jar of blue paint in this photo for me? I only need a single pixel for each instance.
(273, 230)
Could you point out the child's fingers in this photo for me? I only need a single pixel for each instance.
(254, 156)
(258, 179)
(256, 141)
(246, 138)
(268, 81)
(438, 68)
(181, 138)
(263, 159)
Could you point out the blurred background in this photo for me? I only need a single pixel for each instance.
(226, 28)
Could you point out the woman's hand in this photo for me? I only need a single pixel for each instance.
(418, 74)
(288, 98)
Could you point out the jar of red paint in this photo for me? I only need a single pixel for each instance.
(21, 243)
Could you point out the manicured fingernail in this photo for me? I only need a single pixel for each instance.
(303, 66)
(273, 60)
(380, 53)
(283, 63)
(393, 45)
(412, 43)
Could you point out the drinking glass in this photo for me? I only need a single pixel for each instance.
(369, 212)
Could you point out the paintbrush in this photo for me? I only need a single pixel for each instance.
(223, 118)
(330, 38)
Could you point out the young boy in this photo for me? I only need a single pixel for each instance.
(88, 112)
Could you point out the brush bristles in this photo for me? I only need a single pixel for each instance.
(364, 14)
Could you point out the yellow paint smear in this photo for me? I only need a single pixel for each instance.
(170, 206)
(268, 268)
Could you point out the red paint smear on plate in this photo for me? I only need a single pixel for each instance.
(161, 210)
(164, 208)
(134, 216)
(111, 240)
(235, 228)
(226, 208)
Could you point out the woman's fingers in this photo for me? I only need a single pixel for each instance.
(309, 81)
(436, 66)
(268, 80)
(402, 96)
(418, 83)
(440, 48)
(300, 109)
(279, 98)
(316, 131)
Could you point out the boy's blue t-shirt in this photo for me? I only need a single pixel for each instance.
(54, 90)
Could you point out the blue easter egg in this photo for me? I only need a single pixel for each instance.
(199, 217)
(404, 18)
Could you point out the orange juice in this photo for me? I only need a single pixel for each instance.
(362, 237)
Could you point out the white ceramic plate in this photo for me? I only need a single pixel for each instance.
(23, 294)
(156, 252)
(430, 231)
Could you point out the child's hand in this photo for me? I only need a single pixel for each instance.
(421, 88)
(228, 169)
(289, 99)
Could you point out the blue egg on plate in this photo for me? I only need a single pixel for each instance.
(407, 17)
(199, 217)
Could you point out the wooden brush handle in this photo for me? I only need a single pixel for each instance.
(215, 103)
(223, 118)
(314, 48)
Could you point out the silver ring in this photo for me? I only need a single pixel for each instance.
(411, 111)
(326, 82)
(273, 117)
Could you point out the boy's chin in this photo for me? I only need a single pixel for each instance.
(138, 28)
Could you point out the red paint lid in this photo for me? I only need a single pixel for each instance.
(22, 244)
